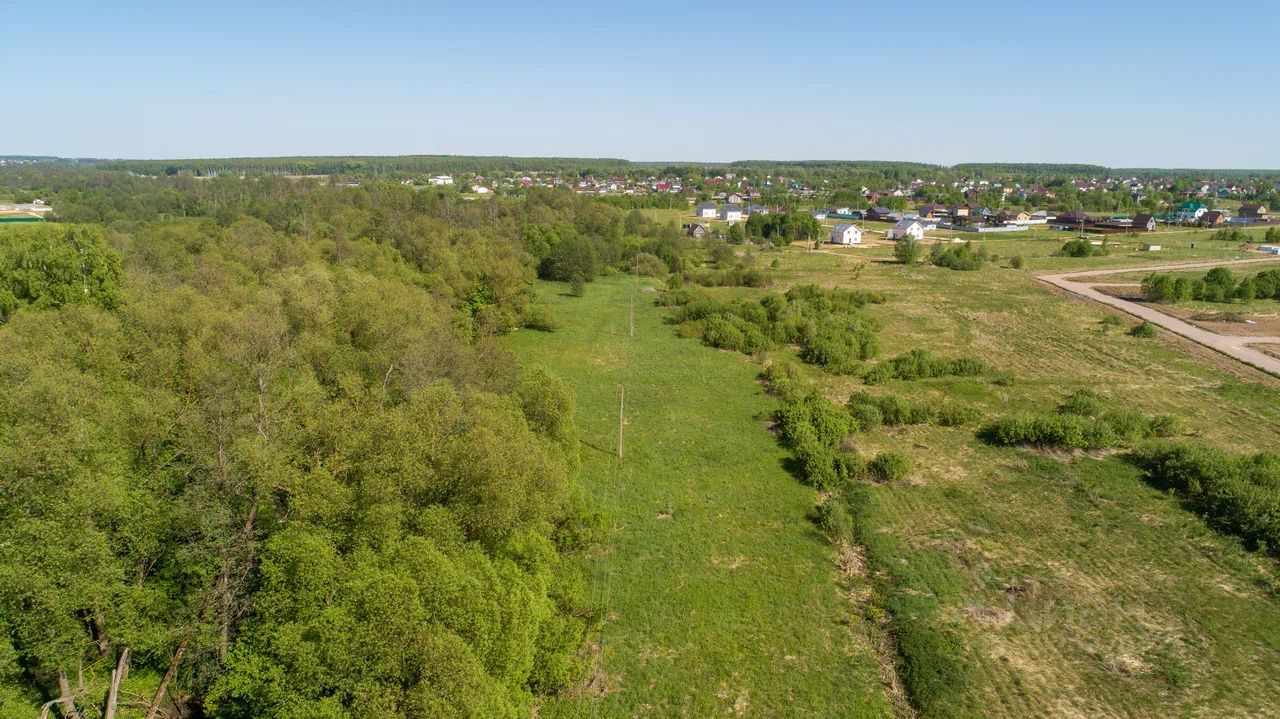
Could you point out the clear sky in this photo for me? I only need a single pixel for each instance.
(1119, 83)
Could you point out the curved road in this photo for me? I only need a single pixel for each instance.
(1231, 345)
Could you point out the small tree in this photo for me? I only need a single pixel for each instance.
(907, 250)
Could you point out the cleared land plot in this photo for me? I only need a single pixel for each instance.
(1083, 591)
(723, 599)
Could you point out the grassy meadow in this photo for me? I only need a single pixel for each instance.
(721, 598)
(1078, 589)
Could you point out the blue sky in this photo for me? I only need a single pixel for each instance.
(1118, 83)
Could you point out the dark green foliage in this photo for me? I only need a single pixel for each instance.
(783, 228)
(1239, 495)
(1016, 262)
(890, 409)
(907, 250)
(921, 364)
(1081, 422)
(960, 257)
(1143, 330)
(890, 467)
(1081, 248)
(1218, 285)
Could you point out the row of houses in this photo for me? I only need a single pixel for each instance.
(731, 212)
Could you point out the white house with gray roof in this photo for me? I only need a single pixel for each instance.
(705, 210)
(846, 234)
(731, 213)
(906, 228)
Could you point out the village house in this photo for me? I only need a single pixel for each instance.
(905, 228)
(705, 210)
(439, 180)
(1253, 211)
(846, 234)
(1013, 217)
(697, 229)
(1144, 222)
(1190, 212)
(931, 210)
(878, 213)
(757, 209)
(818, 214)
(1213, 218)
(731, 213)
(733, 198)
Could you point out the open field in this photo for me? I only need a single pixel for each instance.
(722, 598)
(1234, 345)
(1078, 589)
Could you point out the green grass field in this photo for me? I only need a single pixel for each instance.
(722, 598)
(1084, 592)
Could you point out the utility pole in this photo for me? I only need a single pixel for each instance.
(622, 407)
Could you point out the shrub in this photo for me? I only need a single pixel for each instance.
(960, 257)
(649, 265)
(889, 466)
(1144, 330)
(1111, 321)
(540, 317)
(907, 250)
(867, 417)
(1084, 402)
(1166, 426)
(1016, 262)
(1239, 495)
(1081, 248)
(918, 364)
(952, 414)
(835, 520)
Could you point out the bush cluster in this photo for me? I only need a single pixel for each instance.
(1082, 248)
(1218, 285)
(826, 324)
(922, 364)
(1239, 495)
(960, 257)
(1081, 422)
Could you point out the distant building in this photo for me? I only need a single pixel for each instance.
(731, 213)
(846, 234)
(697, 229)
(1253, 211)
(906, 228)
(733, 198)
(878, 213)
(1144, 222)
(705, 210)
(757, 209)
(818, 214)
(932, 210)
(440, 180)
(1270, 249)
(1190, 211)
(1213, 218)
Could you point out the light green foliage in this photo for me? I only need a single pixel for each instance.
(292, 462)
(49, 266)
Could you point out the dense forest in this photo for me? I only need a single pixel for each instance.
(261, 454)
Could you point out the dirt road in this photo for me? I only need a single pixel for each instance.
(1230, 345)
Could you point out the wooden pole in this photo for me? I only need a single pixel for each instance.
(622, 406)
(633, 315)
